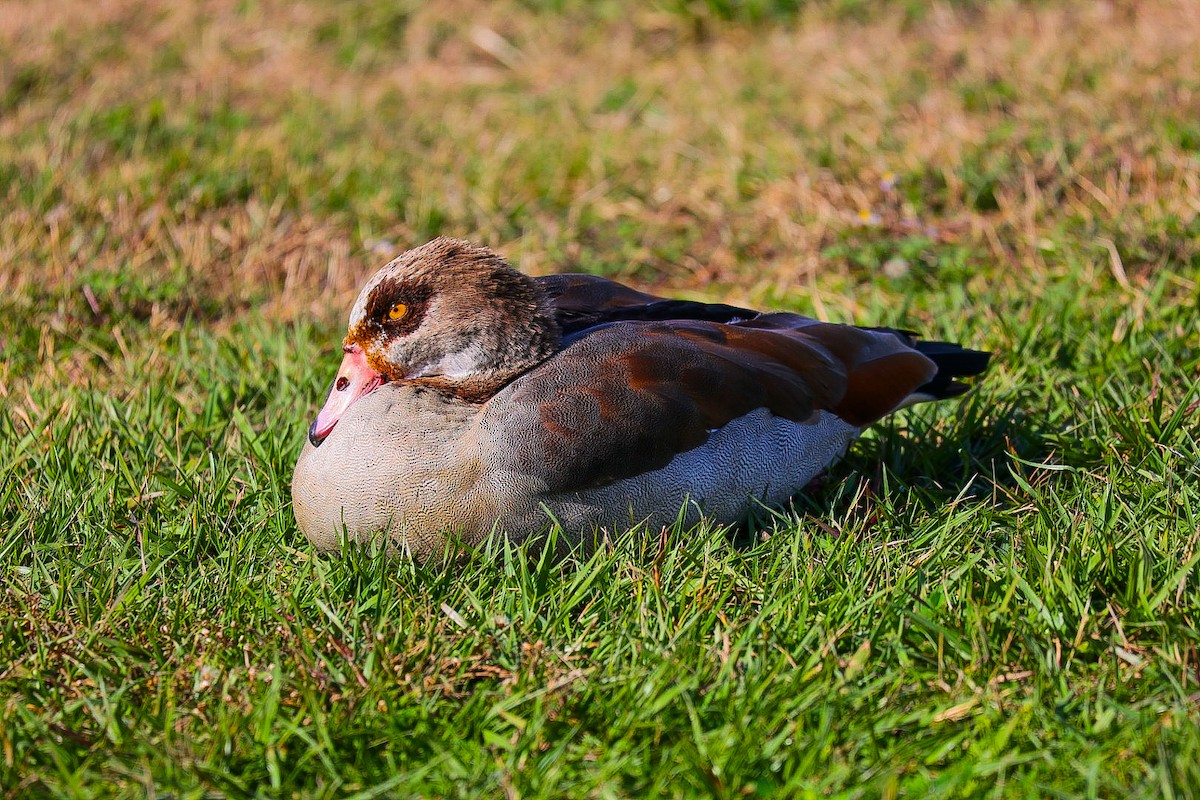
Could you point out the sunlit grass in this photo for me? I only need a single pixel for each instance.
(992, 597)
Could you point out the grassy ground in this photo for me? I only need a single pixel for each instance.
(996, 597)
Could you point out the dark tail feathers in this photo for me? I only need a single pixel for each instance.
(952, 362)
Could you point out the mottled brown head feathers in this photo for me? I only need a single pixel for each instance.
(470, 322)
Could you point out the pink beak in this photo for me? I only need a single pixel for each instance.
(354, 379)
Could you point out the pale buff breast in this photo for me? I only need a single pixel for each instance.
(398, 466)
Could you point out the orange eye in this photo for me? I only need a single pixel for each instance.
(397, 311)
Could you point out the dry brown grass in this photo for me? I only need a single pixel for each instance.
(691, 156)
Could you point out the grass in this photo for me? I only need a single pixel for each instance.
(994, 597)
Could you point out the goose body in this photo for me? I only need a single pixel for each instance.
(473, 399)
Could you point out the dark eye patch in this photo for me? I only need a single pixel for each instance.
(387, 293)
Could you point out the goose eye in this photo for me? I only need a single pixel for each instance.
(397, 311)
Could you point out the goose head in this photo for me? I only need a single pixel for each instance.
(447, 314)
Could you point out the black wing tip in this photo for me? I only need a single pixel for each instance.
(953, 361)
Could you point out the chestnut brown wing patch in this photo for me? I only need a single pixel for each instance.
(628, 398)
(882, 368)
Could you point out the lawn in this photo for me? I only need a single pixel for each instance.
(992, 597)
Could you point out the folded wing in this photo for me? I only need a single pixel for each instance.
(623, 398)
(582, 302)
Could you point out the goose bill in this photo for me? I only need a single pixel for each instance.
(354, 380)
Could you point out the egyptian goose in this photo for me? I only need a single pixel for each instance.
(472, 398)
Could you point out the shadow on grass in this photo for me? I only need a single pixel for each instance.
(982, 456)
